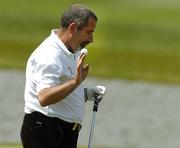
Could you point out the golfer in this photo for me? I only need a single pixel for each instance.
(54, 93)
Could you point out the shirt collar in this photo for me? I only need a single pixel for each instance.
(59, 42)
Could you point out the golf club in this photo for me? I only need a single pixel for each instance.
(98, 98)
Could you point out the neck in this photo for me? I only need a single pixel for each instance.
(64, 37)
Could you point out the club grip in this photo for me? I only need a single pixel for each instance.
(95, 107)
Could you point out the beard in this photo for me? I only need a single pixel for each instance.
(83, 44)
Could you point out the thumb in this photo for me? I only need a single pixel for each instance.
(86, 67)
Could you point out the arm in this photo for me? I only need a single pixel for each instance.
(55, 94)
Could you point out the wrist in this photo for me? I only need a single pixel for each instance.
(75, 82)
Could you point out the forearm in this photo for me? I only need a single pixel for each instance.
(57, 93)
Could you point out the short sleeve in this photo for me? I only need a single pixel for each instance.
(47, 75)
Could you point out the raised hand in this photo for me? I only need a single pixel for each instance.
(81, 69)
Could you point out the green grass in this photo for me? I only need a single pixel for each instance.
(133, 39)
(10, 146)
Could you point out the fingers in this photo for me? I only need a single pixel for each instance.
(81, 69)
(82, 57)
(86, 67)
(85, 71)
(81, 60)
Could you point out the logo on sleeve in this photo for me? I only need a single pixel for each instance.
(69, 68)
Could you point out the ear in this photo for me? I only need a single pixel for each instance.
(72, 28)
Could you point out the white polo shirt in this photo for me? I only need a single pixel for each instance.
(49, 65)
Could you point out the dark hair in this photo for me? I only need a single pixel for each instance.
(77, 14)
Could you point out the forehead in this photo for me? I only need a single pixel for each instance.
(91, 25)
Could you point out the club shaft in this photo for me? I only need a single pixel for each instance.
(92, 129)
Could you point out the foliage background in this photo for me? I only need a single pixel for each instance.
(133, 40)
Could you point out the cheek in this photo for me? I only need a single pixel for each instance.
(84, 36)
(78, 39)
(82, 39)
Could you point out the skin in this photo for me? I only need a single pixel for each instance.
(73, 38)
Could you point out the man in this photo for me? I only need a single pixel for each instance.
(54, 94)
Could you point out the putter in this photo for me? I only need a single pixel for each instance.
(102, 90)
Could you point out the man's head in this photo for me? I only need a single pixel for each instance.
(79, 23)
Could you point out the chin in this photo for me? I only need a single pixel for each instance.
(81, 47)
